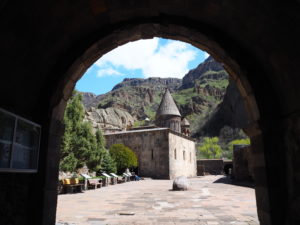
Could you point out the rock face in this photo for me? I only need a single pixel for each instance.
(181, 184)
(230, 112)
(203, 69)
(88, 98)
(109, 119)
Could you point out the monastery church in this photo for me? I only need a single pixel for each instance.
(165, 150)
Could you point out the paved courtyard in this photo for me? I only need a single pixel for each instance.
(209, 201)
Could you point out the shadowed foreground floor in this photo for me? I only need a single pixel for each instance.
(152, 202)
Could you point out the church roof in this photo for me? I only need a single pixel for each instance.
(167, 106)
(185, 122)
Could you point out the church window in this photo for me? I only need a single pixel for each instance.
(183, 155)
(152, 154)
(190, 157)
(175, 154)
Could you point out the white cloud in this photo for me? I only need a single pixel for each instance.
(169, 60)
(206, 55)
(108, 72)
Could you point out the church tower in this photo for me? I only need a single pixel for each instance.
(168, 114)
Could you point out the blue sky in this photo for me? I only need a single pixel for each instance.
(155, 57)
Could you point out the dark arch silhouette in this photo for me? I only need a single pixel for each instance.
(46, 47)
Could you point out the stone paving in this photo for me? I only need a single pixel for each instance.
(209, 201)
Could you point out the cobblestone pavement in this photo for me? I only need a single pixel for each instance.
(209, 201)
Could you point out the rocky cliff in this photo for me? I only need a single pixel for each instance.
(209, 69)
(109, 119)
(88, 98)
(229, 114)
(155, 83)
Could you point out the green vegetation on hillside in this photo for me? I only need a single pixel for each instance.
(220, 84)
(184, 96)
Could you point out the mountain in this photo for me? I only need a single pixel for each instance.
(88, 98)
(139, 97)
(209, 69)
(227, 118)
(154, 82)
(199, 96)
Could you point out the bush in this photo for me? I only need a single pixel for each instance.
(123, 156)
(210, 149)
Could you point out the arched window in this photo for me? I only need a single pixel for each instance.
(183, 155)
(152, 154)
(190, 157)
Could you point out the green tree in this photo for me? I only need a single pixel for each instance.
(210, 149)
(72, 120)
(100, 140)
(68, 163)
(108, 164)
(103, 160)
(79, 144)
(85, 148)
(123, 156)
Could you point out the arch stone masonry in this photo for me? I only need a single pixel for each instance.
(46, 46)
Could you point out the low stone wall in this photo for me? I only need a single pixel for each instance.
(210, 166)
(242, 163)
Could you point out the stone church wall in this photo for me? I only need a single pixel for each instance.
(151, 147)
(182, 156)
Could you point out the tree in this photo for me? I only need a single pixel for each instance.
(85, 148)
(108, 164)
(100, 140)
(210, 149)
(72, 119)
(79, 144)
(123, 156)
(105, 160)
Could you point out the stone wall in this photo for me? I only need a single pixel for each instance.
(155, 149)
(210, 166)
(151, 147)
(182, 156)
(242, 163)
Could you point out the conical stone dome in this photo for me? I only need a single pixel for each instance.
(185, 122)
(167, 106)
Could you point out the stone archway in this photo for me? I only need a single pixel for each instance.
(47, 45)
(141, 31)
